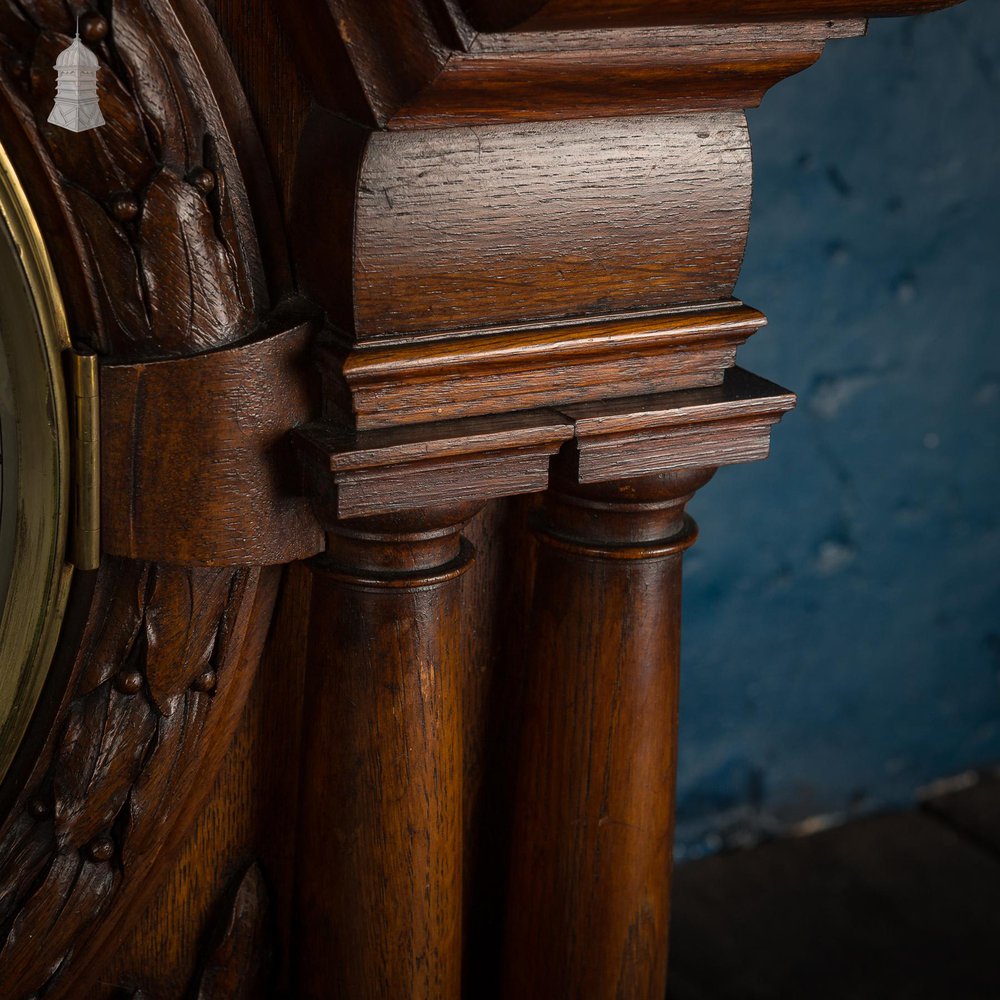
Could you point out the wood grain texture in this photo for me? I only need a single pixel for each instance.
(365, 60)
(236, 963)
(506, 221)
(252, 809)
(588, 895)
(197, 469)
(693, 37)
(159, 680)
(250, 817)
(361, 473)
(155, 202)
(515, 368)
(261, 173)
(269, 73)
(601, 76)
(408, 64)
(379, 890)
(468, 227)
(478, 250)
(496, 601)
(353, 474)
(150, 223)
(723, 425)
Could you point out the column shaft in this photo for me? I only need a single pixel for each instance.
(588, 901)
(380, 834)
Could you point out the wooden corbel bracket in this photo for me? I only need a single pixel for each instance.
(355, 474)
(724, 425)
(363, 473)
(220, 487)
(196, 465)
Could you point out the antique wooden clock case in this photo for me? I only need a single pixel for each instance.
(357, 373)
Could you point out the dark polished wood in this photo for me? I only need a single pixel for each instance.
(249, 818)
(406, 64)
(157, 254)
(608, 217)
(379, 894)
(223, 417)
(515, 228)
(362, 473)
(237, 952)
(588, 899)
(570, 361)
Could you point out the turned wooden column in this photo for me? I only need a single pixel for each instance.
(589, 887)
(379, 846)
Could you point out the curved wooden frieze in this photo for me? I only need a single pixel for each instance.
(151, 224)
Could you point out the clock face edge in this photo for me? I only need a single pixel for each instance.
(35, 479)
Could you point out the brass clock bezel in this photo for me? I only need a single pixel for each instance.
(37, 335)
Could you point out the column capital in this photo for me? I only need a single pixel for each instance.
(400, 550)
(626, 518)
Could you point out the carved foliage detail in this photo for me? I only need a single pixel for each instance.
(155, 196)
(236, 964)
(159, 257)
(163, 646)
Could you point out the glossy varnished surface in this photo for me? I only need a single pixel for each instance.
(525, 243)
(159, 257)
(224, 417)
(588, 903)
(383, 737)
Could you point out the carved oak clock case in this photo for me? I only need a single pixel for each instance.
(355, 377)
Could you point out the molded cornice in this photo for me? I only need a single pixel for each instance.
(433, 63)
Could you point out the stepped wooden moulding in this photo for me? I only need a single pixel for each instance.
(416, 334)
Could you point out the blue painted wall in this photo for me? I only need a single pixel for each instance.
(842, 642)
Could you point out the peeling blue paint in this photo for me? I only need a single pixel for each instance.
(842, 643)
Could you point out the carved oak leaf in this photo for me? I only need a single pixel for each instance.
(192, 277)
(29, 854)
(49, 12)
(143, 44)
(158, 227)
(111, 634)
(173, 765)
(120, 772)
(192, 290)
(102, 753)
(187, 124)
(42, 936)
(113, 261)
(237, 963)
(170, 767)
(103, 161)
(181, 629)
